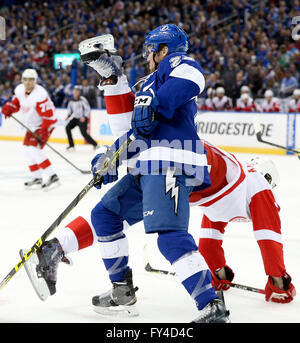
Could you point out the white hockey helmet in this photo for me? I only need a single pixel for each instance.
(30, 74)
(220, 90)
(268, 93)
(245, 89)
(267, 168)
(296, 92)
(210, 91)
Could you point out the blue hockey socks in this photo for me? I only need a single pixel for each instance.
(112, 241)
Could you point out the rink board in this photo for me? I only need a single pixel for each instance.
(232, 131)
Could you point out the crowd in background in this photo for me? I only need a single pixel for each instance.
(237, 42)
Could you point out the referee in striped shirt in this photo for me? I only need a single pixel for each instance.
(78, 113)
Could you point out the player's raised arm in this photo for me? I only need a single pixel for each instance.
(118, 96)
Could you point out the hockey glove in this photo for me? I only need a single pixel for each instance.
(277, 295)
(143, 121)
(98, 162)
(45, 131)
(108, 66)
(9, 108)
(223, 284)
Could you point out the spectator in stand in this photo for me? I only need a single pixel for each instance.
(288, 84)
(294, 71)
(212, 80)
(271, 103)
(221, 102)
(208, 103)
(294, 104)
(228, 75)
(35, 27)
(246, 104)
(89, 91)
(238, 86)
(57, 93)
(255, 79)
(67, 90)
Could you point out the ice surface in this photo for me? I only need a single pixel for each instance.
(25, 215)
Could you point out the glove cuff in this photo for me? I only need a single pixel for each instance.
(275, 294)
(225, 283)
(120, 87)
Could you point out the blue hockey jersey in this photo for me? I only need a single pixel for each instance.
(175, 142)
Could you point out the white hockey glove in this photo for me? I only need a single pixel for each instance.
(109, 67)
(99, 53)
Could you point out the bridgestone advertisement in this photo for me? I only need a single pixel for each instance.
(232, 131)
(235, 130)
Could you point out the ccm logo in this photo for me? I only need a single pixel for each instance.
(142, 100)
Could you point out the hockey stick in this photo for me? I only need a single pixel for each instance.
(108, 165)
(49, 146)
(258, 133)
(149, 269)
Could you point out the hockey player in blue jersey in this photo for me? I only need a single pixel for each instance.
(170, 161)
(158, 187)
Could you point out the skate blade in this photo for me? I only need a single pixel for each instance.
(223, 321)
(52, 186)
(118, 311)
(38, 284)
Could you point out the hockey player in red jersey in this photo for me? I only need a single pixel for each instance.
(208, 103)
(221, 102)
(239, 193)
(34, 103)
(294, 104)
(228, 178)
(246, 104)
(271, 103)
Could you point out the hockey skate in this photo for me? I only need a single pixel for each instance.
(41, 268)
(51, 183)
(33, 184)
(118, 301)
(214, 312)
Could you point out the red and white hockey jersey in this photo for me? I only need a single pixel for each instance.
(223, 104)
(272, 105)
(250, 106)
(208, 105)
(35, 107)
(119, 101)
(294, 105)
(238, 193)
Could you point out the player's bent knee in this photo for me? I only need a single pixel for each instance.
(174, 244)
(105, 222)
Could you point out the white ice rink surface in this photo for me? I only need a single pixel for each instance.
(25, 215)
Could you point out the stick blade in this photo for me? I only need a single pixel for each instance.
(85, 171)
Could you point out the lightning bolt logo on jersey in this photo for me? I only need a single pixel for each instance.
(172, 187)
